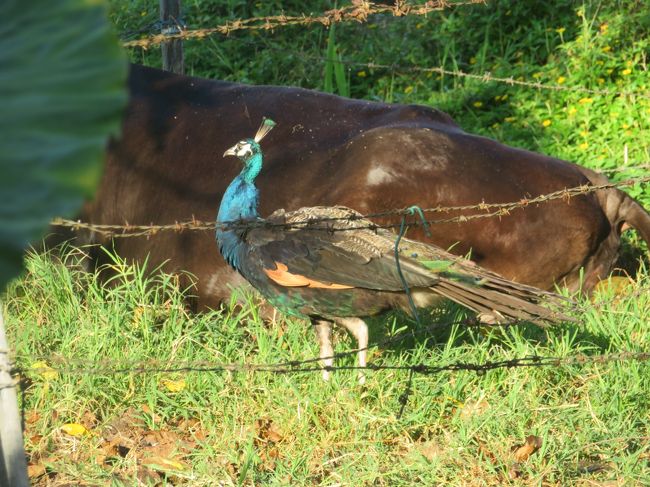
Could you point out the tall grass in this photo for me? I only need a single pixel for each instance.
(260, 428)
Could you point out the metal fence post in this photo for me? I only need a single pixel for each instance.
(13, 466)
(172, 50)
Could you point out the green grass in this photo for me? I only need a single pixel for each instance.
(457, 428)
(259, 428)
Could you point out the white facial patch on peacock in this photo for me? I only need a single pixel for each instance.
(243, 149)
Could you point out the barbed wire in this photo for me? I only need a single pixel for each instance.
(499, 210)
(299, 367)
(66, 365)
(620, 169)
(358, 12)
(485, 77)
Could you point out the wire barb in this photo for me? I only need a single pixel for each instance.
(484, 210)
(358, 12)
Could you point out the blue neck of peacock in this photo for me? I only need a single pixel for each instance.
(239, 203)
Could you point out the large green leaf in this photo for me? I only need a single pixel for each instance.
(62, 90)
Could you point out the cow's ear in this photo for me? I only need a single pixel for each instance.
(265, 128)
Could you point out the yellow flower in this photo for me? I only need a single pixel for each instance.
(584, 133)
(601, 81)
(572, 110)
(561, 80)
(560, 30)
(361, 74)
(546, 122)
(604, 27)
(607, 48)
(584, 145)
(626, 126)
(585, 100)
(408, 89)
(626, 71)
(472, 60)
(478, 104)
(509, 119)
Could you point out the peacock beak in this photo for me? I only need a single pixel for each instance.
(231, 152)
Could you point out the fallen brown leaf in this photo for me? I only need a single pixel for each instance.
(35, 470)
(522, 452)
(32, 416)
(429, 449)
(267, 431)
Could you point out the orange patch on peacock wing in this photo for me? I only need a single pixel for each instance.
(283, 277)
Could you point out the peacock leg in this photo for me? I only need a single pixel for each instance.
(359, 330)
(323, 331)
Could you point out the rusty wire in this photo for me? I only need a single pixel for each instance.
(358, 12)
(491, 210)
(485, 77)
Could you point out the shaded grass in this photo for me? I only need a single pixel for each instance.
(457, 428)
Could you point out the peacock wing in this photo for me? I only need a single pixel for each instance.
(331, 247)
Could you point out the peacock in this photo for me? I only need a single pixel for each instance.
(330, 265)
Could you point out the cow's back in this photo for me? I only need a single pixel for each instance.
(168, 167)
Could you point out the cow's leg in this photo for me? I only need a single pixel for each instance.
(323, 331)
(358, 328)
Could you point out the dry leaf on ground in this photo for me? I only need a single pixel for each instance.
(35, 470)
(522, 452)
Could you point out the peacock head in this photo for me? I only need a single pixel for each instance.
(248, 150)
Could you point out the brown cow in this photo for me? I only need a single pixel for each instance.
(330, 150)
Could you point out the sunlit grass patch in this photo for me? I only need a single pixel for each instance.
(257, 428)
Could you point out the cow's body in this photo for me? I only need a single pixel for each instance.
(328, 150)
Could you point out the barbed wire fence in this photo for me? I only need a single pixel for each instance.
(359, 11)
(164, 32)
(492, 210)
